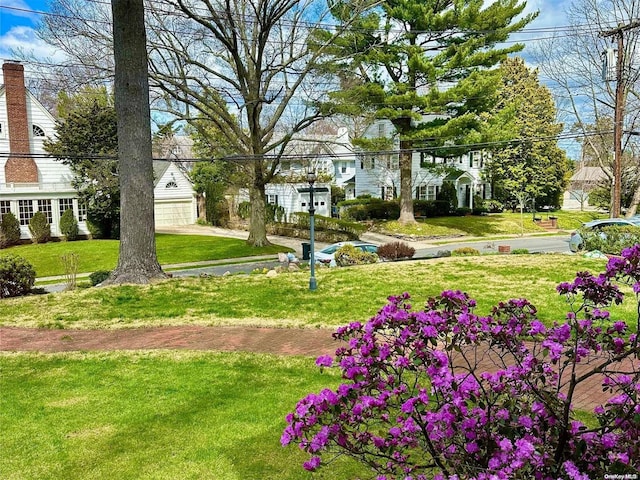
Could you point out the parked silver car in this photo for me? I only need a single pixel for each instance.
(576, 242)
(327, 254)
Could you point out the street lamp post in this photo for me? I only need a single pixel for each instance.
(311, 178)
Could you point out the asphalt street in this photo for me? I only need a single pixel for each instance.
(424, 249)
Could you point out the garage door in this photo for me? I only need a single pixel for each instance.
(174, 213)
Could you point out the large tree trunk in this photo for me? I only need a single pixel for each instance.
(202, 207)
(635, 201)
(137, 261)
(406, 190)
(257, 226)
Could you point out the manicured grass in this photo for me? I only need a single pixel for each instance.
(483, 226)
(96, 255)
(154, 415)
(343, 295)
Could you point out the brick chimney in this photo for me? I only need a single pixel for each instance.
(19, 168)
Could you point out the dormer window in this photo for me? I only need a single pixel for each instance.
(37, 131)
(171, 184)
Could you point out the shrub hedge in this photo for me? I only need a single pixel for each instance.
(611, 240)
(69, 225)
(17, 276)
(9, 230)
(395, 251)
(39, 228)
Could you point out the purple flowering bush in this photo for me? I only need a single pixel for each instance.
(443, 393)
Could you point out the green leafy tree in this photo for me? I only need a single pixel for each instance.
(403, 52)
(213, 177)
(529, 163)
(87, 141)
(448, 194)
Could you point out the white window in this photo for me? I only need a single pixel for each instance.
(44, 206)
(343, 168)
(25, 211)
(65, 204)
(475, 159)
(426, 192)
(272, 199)
(37, 131)
(82, 211)
(5, 207)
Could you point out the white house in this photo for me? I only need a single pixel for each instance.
(295, 197)
(31, 181)
(378, 174)
(329, 151)
(581, 184)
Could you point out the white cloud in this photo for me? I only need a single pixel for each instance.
(18, 8)
(23, 39)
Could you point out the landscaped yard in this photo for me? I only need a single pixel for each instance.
(490, 225)
(153, 415)
(343, 295)
(94, 255)
(199, 415)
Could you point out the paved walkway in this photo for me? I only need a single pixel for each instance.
(277, 341)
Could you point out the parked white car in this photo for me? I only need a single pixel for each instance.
(326, 256)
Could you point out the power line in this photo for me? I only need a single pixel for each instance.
(306, 156)
(569, 29)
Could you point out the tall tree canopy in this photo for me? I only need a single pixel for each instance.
(573, 60)
(425, 66)
(86, 133)
(254, 54)
(530, 163)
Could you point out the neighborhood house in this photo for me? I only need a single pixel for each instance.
(31, 181)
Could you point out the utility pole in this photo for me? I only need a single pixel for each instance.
(621, 88)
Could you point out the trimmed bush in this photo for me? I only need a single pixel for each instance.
(395, 250)
(69, 225)
(520, 251)
(611, 240)
(39, 228)
(98, 277)
(350, 255)
(443, 253)
(17, 276)
(465, 252)
(462, 211)
(9, 230)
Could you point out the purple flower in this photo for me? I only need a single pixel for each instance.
(312, 464)
(324, 361)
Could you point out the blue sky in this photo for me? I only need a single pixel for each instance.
(18, 20)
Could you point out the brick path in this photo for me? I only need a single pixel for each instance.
(279, 341)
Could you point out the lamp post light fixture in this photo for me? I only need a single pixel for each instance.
(311, 178)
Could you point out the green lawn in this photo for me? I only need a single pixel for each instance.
(489, 225)
(96, 255)
(154, 415)
(205, 415)
(343, 295)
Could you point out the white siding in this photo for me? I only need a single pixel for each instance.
(174, 199)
